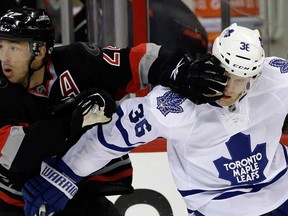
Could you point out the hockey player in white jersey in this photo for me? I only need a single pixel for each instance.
(225, 156)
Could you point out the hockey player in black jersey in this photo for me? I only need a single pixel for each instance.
(29, 58)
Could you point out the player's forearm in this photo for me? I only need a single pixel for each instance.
(88, 154)
(128, 129)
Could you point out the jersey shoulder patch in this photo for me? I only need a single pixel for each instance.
(282, 64)
(170, 102)
(91, 48)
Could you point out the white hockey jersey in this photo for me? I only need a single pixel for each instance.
(225, 161)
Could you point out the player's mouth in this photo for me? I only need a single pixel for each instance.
(226, 97)
(8, 72)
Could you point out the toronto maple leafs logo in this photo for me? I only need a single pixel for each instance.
(245, 166)
(280, 63)
(228, 32)
(170, 102)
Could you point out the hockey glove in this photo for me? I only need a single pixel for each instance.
(93, 106)
(64, 107)
(53, 188)
(201, 80)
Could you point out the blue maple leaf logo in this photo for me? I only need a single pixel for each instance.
(280, 63)
(245, 167)
(170, 102)
(261, 41)
(228, 32)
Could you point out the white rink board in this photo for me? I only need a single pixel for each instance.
(151, 171)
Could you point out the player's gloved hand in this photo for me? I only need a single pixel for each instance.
(64, 107)
(201, 80)
(53, 188)
(93, 106)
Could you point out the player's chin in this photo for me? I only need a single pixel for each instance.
(14, 79)
(226, 101)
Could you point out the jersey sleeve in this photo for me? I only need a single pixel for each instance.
(135, 123)
(274, 79)
(119, 71)
(142, 58)
(131, 69)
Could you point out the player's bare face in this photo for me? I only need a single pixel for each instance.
(236, 85)
(14, 56)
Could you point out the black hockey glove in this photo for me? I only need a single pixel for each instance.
(201, 80)
(93, 106)
(63, 108)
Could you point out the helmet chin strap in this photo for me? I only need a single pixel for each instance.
(35, 47)
(32, 71)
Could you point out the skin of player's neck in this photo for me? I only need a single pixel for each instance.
(37, 77)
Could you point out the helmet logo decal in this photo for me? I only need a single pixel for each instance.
(228, 32)
(241, 67)
(4, 29)
(280, 63)
(261, 42)
(170, 102)
(12, 14)
(43, 18)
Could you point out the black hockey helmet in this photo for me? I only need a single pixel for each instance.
(28, 24)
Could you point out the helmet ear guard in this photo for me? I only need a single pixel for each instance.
(240, 51)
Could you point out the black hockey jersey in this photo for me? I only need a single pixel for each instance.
(79, 66)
